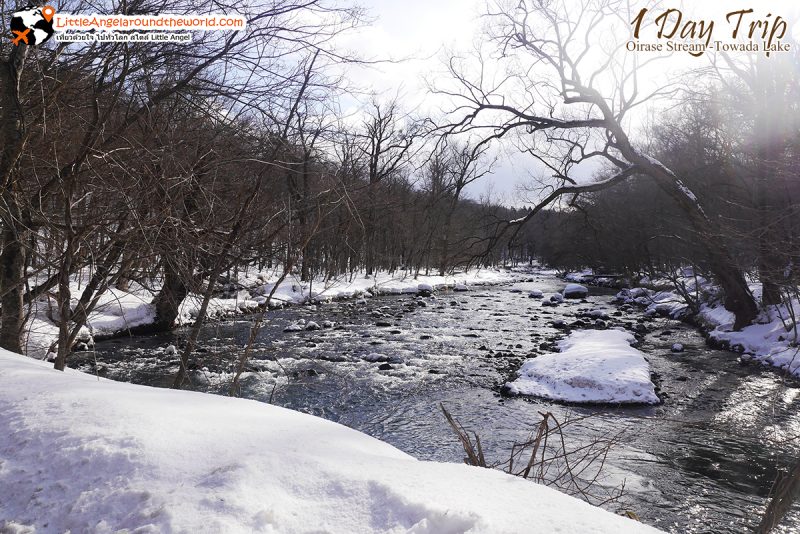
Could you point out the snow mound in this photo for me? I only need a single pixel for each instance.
(594, 366)
(89, 455)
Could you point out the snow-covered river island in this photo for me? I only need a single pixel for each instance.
(702, 460)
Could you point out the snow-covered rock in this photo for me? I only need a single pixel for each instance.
(460, 286)
(311, 325)
(535, 294)
(425, 289)
(87, 455)
(296, 326)
(677, 347)
(594, 366)
(578, 276)
(575, 291)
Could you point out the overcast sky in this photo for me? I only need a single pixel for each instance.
(418, 33)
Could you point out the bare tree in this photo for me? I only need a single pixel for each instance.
(569, 108)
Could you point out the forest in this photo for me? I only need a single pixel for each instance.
(181, 166)
(177, 170)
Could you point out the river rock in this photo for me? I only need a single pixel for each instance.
(295, 327)
(535, 294)
(575, 291)
(677, 347)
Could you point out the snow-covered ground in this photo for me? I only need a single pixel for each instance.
(597, 366)
(94, 456)
(119, 310)
(771, 340)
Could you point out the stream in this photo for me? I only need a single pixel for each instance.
(703, 461)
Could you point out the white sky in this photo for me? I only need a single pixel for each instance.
(420, 32)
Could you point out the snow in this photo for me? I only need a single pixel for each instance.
(575, 291)
(580, 276)
(86, 455)
(768, 341)
(594, 366)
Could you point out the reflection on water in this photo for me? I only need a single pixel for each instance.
(701, 462)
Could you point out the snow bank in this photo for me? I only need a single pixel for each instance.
(594, 366)
(90, 455)
(769, 340)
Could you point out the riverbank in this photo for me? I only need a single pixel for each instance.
(119, 311)
(92, 455)
(772, 340)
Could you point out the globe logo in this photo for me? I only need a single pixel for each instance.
(32, 25)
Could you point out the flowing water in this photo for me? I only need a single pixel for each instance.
(703, 461)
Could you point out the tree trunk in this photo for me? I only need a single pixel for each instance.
(14, 234)
(168, 301)
(737, 296)
(12, 290)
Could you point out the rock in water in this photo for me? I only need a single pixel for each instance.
(575, 291)
(677, 347)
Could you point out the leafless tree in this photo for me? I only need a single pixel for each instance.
(570, 107)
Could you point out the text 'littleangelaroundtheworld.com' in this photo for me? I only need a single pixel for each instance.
(119, 37)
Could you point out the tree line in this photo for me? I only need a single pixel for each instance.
(173, 166)
(170, 166)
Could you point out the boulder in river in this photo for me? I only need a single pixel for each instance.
(677, 347)
(296, 327)
(575, 291)
(535, 294)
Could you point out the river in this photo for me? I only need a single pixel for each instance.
(703, 461)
